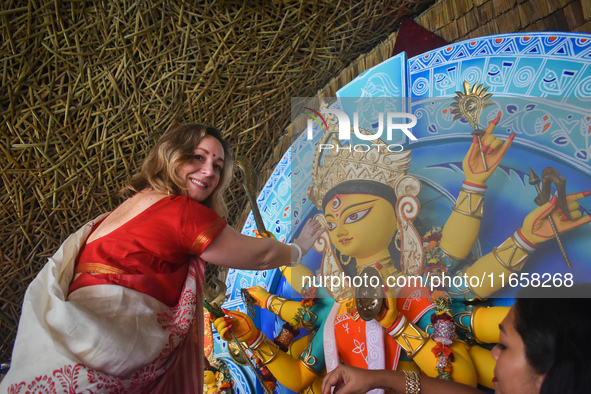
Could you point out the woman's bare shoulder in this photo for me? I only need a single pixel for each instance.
(145, 197)
(125, 212)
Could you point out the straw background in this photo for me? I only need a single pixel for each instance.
(86, 88)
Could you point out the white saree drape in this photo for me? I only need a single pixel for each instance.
(104, 338)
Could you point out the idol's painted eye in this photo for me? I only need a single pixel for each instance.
(335, 203)
(357, 216)
(331, 226)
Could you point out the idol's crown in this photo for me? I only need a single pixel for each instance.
(374, 160)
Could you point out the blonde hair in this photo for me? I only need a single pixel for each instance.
(176, 147)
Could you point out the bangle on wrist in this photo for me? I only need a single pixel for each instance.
(268, 300)
(397, 327)
(265, 349)
(402, 336)
(475, 187)
(275, 303)
(412, 384)
(523, 243)
(471, 202)
(513, 253)
(299, 256)
(396, 324)
(253, 343)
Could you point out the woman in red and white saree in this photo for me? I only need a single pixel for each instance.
(113, 310)
(122, 328)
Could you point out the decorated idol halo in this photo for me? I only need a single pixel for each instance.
(373, 164)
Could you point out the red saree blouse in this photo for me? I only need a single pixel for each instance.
(150, 253)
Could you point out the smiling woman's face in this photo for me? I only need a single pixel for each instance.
(360, 225)
(202, 173)
(513, 372)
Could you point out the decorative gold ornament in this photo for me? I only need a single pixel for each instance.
(469, 105)
(414, 334)
(369, 299)
(470, 203)
(265, 349)
(373, 162)
(411, 248)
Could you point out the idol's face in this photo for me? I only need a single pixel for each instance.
(360, 225)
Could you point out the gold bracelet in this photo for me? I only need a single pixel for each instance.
(472, 330)
(478, 210)
(468, 326)
(308, 390)
(274, 304)
(257, 341)
(449, 255)
(265, 347)
(418, 334)
(412, 383)
(516, 251)
(399, 329)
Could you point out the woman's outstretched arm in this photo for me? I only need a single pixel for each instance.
(234, 250)
(351, 380)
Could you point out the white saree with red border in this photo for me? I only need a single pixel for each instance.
(105, 338)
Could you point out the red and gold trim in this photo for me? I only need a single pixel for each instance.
(98, 268)
(208, 235)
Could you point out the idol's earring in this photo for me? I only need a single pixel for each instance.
(397, 240)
